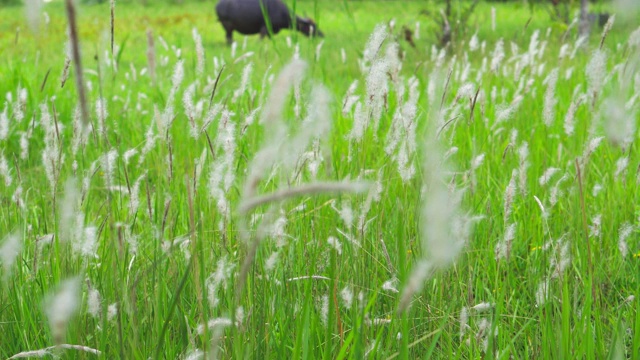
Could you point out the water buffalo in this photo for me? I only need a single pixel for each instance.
(248, 17)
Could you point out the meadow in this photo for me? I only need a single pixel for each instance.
(351, 196)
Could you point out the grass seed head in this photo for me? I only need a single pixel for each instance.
(9, 252)
(503, 248)
(199, 51)
(4, 124)
(497, 56)
(596, 71)
(272, 261)
(134, 195)
(542, 293)
(621, 167)
(112, 312)
(24, 145)
(335, 243)
(101, 113)
(94, 303)
(244, 82)
(108, 165)
(324, 309)
(509, 195)
(619, 123)
(464, 321)
(377, 89)
(5, 171)
(548, 174)
(550, 100)
(61, 306)
(215, 324)
(391, 285)
(33, 12)
(68, 209)
(624, 232)
(347, 296)
(523, 154)
(569, 119)
(421, 272)
(375, 43)
(482, 307)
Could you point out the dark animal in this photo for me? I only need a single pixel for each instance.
(248, 17)
(600, 18)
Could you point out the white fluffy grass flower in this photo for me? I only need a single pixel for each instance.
(623, 233)
(375, 42)
(523, 155)
(619, 123)
(9, 252)
(94, 303)
(84, 240)
(112, 312)
(497, 56)
(503, 248)
(108, 164)
(244, 82)
(509, 195)
(550, 100)
(33, 11)
(547, 175)
(102, 113)
(271, 118)
(464, 321)
(444, 230)
(199, 51)
(377, 88)
(347, 296)
(335, 243)
(61, 306)
(542, 293)
(569, 119)
(5, 171)
(215, 324)
(596, 71)
(4, 124)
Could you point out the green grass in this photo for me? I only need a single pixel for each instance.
(162, 295)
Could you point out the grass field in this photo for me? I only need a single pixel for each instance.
(345, 197)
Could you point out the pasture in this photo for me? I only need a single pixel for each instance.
(351, 196)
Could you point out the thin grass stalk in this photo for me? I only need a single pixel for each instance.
(120, 336)
(113, 17)
(586, 231)
(213, 92)
(308, 189)
(49, 351)
(607, 28)
(44, 81)
(151, 56)
(172, 307)
(194, 244)
(446, 87)
(77, 61)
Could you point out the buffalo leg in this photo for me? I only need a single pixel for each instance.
(229, 37)
(264, 32)
(228, 28)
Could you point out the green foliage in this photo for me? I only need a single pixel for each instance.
(156, 263)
